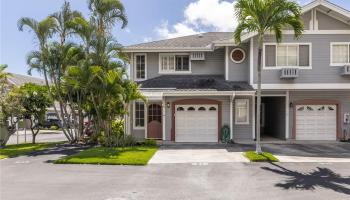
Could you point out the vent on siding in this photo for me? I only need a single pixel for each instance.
(346, 70)
(289, 73)
(197, 56)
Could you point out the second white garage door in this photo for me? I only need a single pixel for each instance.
(196, 123)
(316, 122)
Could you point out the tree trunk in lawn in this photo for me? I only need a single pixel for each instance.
(258, 96)
(34, 132)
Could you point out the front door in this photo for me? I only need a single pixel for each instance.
(154, 125)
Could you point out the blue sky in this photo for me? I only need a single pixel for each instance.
(148, 20)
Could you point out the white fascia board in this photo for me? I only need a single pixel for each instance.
(305, 86)
(186, 49)
(199, 93)
(152, 96)
(326, 4)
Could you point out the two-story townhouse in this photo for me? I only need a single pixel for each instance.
(197, 84)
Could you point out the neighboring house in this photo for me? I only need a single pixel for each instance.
(197, 84)
(19, 80)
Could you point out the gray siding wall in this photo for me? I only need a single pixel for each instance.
(243, 131)
(306, 17)
(326, 22)
(240, 71)
(213, 64)
(321, 71)
(342, 96)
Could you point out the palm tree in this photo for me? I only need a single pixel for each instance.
(63, 20)
(106, 13)
(261, 17)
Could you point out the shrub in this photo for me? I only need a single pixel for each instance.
(150, 143)
(118, 127)
(54, 127)
(264, 157)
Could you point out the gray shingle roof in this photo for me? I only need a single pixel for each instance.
(194, 82)
(203, 40)
(19, 80)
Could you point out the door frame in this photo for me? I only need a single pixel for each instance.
(318, 102)
(161, 118)
(195, 102)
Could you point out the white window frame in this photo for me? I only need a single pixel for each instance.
(174, 71)
(331, 53)
(246, 101)
(282, 67)
(135, 68)
(134, 116)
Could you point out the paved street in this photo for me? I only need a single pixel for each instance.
(35, 177)
(43, 136)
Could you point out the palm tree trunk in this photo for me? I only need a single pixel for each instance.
(54, 106)
(258, 96)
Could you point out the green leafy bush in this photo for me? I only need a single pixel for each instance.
(150, 143)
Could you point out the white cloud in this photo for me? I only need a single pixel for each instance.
(127, 30)
(147, 39)
(215, 14)
(211, 15)
(177, 30)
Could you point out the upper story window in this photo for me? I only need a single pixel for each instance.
(140, 69)
(292, 55)
(174, 63)
(340, 53)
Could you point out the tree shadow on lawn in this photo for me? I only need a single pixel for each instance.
(321, 177)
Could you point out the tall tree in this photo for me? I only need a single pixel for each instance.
(35, 101)
(106, 13)
(64, 19)
(261, 17)
(37, 59)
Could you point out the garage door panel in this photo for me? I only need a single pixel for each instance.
(198, 125)
(316, 122)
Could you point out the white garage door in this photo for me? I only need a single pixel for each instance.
(316, 122)
(196, 123)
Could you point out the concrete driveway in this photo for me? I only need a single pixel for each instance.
(196, 155)
(220, 153)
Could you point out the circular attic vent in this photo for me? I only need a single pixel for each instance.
(237, 55)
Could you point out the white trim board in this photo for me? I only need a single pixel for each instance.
(305, 86)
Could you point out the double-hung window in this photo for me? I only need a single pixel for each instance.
(139, 115)
(140, 69)
(242, 111)
(174, 63)
(340, 53)
(287, 55)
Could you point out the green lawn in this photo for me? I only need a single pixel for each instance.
(15, 150)
(139, 155)
(264, 157)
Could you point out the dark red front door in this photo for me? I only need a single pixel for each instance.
(154, 126)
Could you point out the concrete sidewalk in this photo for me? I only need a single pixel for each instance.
(196, 156)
